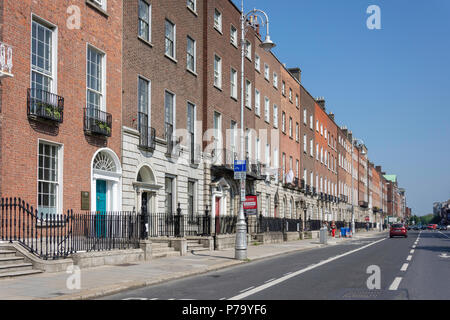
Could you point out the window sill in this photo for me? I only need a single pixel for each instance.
(97, 7)
(171, 58)
(146, 42)
(218, 88)
(193, 11)
(234, 98)
(249, 108)
(218, 30)
(192, 72)
(234, 44)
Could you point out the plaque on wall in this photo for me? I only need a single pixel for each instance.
(85, 200)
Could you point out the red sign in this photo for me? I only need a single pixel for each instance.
(251, 205)
(367, 218)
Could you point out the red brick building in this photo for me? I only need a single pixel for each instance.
(60, 114)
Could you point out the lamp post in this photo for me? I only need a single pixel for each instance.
(353, 193)
(241, 226)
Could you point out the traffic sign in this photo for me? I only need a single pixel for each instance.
(240, 166)
(240, 175)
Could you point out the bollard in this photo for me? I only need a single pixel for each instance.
(323, 235)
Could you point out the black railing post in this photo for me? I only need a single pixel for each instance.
(144, 223)
(178, 222)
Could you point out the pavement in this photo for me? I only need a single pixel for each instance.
(108, 280)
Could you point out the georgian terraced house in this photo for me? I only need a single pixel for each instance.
(139, 107)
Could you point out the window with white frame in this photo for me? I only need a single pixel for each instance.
(217, 71)
(144, 31)
(169, 111)
(191, 199)
(49, 179)
(297, 168)
(305, 144)
(290, 94)
(321, 129)
(304, 116)
(275, 80)
(233, 136)
(143, 104)
(266, 71)
(311, 148)
(258, 150)
(317, 151)
(248, 94)
(321, 155)
(257, 62)
(170, 194)
(95, 79)
(233, 83)
(257, 103)
(283, 88)
(233, 36)
(275, 116)
(43, 58)
(191, 54)
(290, 127)
(311, 179)
(305, 176)
(311, 121)
(297, 104)
(267, 158)
(248, 49)
(317, 125)
(192, 4)
(283, 122)
(296, 132)
(100, 3)
(170, 43)
(218, 20)
(266, 109)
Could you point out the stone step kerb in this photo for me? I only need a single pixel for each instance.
(10, 260)
(16, 267)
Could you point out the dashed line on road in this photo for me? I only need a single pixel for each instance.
(246, 289)
(444, 234)
(395, 284)
(409, 258)
(412, 251)
(404, 267)
(269, 280)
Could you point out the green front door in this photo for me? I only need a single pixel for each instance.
(101, 208)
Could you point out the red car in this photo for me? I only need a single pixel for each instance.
(398, 230)
(432, 226)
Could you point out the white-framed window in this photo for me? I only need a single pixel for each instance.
(257, 103)
(217, 71)
(170, 190)
(317, 151)
(317, 125)
(267, 157)
(143, 104)
(311, 148)
(326, 136)
(191, 117)
(170, 40)
(266, 109)
(297, 103)
(305, 176)
(266, 71)
(326, 160)
(258, 150)
(297, 132)
(44, 57)
(233, 36)
(275, 80)
(290, 127)
(96, 82)
(305, 144)
(290, 94)
(233, 137)
(100, 3)
(311, 121)
(233, 83)
(218, 20)
(169, 113)
(321, 154)
(191, 54)
(248, 94)
(144, 30)
(192, 207)
(257, 63)
(49, 178)
(304, 116)
(192, 4)
(311, 179)
(283, 122)
(297, 167)
(275, 116)
(248, 49)
(283, 88)
(321, 129)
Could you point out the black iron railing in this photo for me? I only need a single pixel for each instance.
(269, 224)
(313, 225)
(97, 122)
(147, 134)
(44, 105)
(177, 225)
(54, 236)
(225, 225)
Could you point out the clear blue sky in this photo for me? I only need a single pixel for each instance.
(391, 87)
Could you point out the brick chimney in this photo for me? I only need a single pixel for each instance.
(297, 73)
(378, 168)
(331, 116)
(321, 102)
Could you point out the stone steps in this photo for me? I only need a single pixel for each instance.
(195, 245)
(12, 265)
(14, 274)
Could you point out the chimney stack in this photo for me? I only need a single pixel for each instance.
(297, 73)
(321, 102)
(331, 116)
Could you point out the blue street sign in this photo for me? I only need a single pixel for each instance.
(240, 165)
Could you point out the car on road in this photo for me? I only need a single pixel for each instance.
(398, 230)
(424, 227)
(432, 226)
(443, 227)
(417, 227)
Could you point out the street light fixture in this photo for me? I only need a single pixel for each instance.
(267, 45)
(353, 193)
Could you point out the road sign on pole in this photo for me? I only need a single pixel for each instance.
(240, 166)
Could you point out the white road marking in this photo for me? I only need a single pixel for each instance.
(154, 299)
(395, 284)
(294, 274)
(409, 258)
(222, 298)
(246, 289)
(286, 274)
(404, 267)
(414, 246)
(444, 234)
(269, 280)
(412, 251)
(135, 299)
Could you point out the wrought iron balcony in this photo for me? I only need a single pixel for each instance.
(308, 189)
(147, 134)
(43, 105)
(97, 122)
(363, 204)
